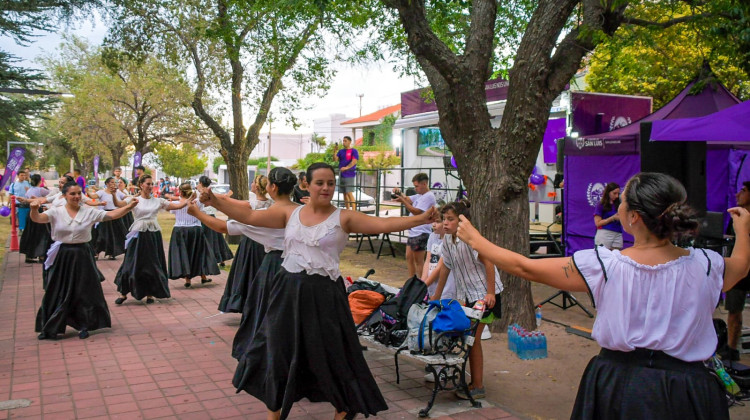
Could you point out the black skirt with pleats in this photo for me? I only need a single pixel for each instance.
(128, 220)
(35, 240)
(645, 384)
(144, 269)
(307, 347)
(255, 305)
(218, 244)
(189, 254)
(246, 262)
(73, 293)
(110, 237)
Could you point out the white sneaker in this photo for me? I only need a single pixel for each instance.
(486, 334)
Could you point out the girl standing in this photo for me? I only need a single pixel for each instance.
(189, 253)
(608, 227)
(143, 272)
(74, 293)
(110, 236)
(35, 239)
(306, 346)
(476, 279)
(249, 256)
(216, 240)
(122, 194)
(654, 304)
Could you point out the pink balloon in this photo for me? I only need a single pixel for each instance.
(5, 211)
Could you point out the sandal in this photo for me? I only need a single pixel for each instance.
(187, 284)
(149, 300)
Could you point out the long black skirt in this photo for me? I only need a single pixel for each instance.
(307, 347)
(648, 385)
(189, 254)
(218, 244)
(249, 257)
(144, 269)
(35, 240)
(74, 293)
(128, 220)
(110, 237)
(255, 305)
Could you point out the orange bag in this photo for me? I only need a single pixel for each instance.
(363, 303)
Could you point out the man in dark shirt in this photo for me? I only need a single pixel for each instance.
(347, 159)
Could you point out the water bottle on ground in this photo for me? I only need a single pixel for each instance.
(538, 316)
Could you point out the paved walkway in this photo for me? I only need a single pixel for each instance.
(166, 360)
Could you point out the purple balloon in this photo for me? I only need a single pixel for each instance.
(5, 211)
(535, 171)
(453, 162)
(536, 179)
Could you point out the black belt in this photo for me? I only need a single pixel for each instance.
(651, 358)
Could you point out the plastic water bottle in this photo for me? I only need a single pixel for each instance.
(544, 347)
(538, 316)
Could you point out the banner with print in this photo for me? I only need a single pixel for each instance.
(15, 161)
(136, 161)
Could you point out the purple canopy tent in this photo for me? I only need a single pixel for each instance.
(594, 160)
(730, 125)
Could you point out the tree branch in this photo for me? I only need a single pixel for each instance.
(671, 22)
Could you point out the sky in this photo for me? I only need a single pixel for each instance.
(380, 86)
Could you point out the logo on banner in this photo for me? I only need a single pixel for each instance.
(580, 143)
(617, 122)
(594, 193)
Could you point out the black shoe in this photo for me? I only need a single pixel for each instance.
(221, 264)
(83, 334)
(43, 336)
(207, 280)
(149, 300)
(119, 300)
(112, 258)
(29, 261)
(187, 285)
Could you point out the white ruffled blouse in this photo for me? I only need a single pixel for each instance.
(314, 249)
(144, 214)
(667, 307)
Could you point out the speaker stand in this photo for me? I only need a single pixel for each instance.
(568, 301)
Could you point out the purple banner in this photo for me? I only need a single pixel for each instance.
(417, 102)
(96, 170)
(595, 113)
(136, 161)
(585, 178)
(555, 130)
(15, 161)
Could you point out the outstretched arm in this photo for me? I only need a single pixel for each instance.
(559, 273)
(180, 204)
(34, 213)
(737, 265)
(122, 211)
(356, 222)
(241, 211)
(213, 223)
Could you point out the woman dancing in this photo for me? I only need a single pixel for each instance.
(306, 346)
(143, 272)
(110, 236)
(189, 252)
(74, 293)
(281, 183)
(122, 194)
(654, 301)
(249, 255)
(216, 240)
(35, 239)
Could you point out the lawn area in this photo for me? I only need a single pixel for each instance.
(4, 236)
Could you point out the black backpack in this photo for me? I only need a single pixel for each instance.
(388, 323)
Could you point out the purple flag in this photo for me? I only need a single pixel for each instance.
(136, 161)
(15, 160)
(96, 170)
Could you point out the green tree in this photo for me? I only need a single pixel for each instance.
(461, 44)
(248, 52)
(659, 62)
(182, 161)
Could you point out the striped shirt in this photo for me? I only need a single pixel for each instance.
(469, 273)
(183, 219)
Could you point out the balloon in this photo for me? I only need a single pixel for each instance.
(453, 162)
(7, 187)
(536, 179)
(535, 171)
(532, 187)
(5, 211)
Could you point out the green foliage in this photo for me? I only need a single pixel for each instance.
(310, 158)
(660, 62)
(182, 162)
(381, 135)
(218, 161)
(380, 161)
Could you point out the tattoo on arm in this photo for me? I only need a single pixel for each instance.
(569, 268)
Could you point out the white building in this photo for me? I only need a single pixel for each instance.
(330, 128)
(284, 146)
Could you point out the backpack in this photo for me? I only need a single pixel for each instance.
(388, 323)
(363, 303)
(435, 325)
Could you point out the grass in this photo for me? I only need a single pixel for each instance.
(4, 236)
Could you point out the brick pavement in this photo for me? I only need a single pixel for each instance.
(167, 360)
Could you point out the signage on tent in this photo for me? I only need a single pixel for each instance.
(594, 193)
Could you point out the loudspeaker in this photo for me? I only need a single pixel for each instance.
(684, 160)
(560, 161)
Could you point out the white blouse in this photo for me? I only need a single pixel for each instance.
(76, 230)
(183, 219)
(144, 214)
(106, 198)
(667, 307)
(271, 239)
(314, 249)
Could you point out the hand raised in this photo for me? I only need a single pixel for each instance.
(207, 196)
(34, 204)
(466, 231)
(192, 208)
(740, 219)
(132, 203)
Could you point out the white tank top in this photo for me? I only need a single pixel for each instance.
(314, 249)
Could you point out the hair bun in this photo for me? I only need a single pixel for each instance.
(679, 220)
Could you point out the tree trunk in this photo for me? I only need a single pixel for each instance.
(238, 177)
